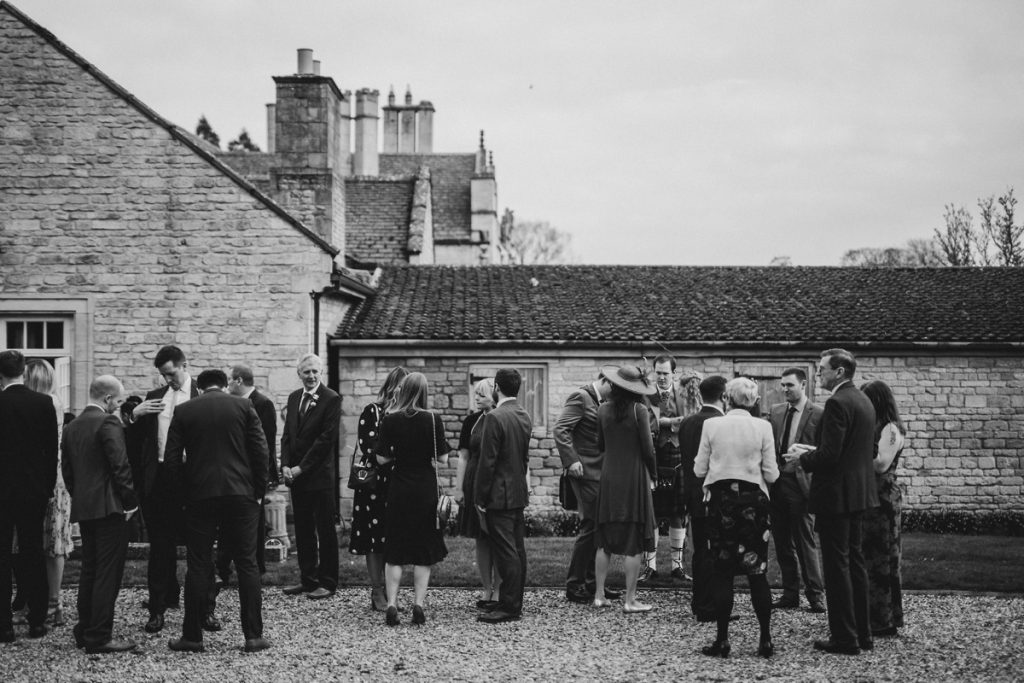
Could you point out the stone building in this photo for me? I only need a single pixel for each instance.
(948, 340)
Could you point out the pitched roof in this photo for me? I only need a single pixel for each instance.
(449, 179)
(377, 219)
(693, 305)
(175, 132)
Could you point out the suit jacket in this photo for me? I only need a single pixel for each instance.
(690, 430)
(95, 466)
(145, 433)
(310, 441)
(575, 433)
(267, 413)
(28, 444)
(844, 478)
(216, 447)
(806, 432)
(504, 458)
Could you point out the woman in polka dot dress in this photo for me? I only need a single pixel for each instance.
(368, 506)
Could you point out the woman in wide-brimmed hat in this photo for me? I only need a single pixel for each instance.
(625, 509)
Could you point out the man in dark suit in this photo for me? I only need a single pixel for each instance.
(712, 389)
(502, 492)
(575, 436)
(28, 473)
(795, 421)
(241, 384)
(217, 450)
(842, 488)
(309, 462)
(161, 503)
(97, 475)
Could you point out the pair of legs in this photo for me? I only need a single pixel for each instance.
(420, 582)
(489, 578)
(580, 577)
(104, 548)
(760, 598)
(631, 565)
(316, 539)
(795, 544)
(846, 579)
(55, 577)
(27, 517)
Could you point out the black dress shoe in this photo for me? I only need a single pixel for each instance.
(155, 623)
(487, 605)
(37, 631)
(256, 644)
(765, 649)
(817, 607)
(418, 616)
(182, 645)
(866, 645)
(785, 603)
(110, 646)
(297, 589)
(612, 594)
(498, 616)
(719, 648)
(579, 595)
(7, 635)
(391, 616)
(679, 575)
(211, 622)
(835, 648)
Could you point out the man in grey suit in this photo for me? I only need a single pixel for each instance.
(99, 479)
(502, 492)
(795, 421)
(842, 488)
(575, 435)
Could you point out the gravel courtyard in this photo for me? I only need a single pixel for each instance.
(949, 637)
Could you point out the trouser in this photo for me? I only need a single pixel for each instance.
(316, 540)
(702, 602)
(795, 544)
(581, 564)
(223, 564)
(506, 532)
(104, 548)
(846, 578)
(27, 517)
(237, 517)
(162, 511)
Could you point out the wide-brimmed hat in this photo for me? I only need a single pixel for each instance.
(630, 378)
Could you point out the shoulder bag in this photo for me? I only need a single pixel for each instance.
(444, 501)
(363, 475)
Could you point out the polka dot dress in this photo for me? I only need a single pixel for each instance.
(369, 506)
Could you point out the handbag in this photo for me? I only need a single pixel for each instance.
(566, 493)
(363, 475)
(444, 501)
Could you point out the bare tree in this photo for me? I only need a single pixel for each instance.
(958, 241)
(539, 242)
(997, 240)
(916, 253)
(1006, 237)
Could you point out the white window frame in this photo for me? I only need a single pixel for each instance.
(536, 405)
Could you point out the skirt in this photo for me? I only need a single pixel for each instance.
(623, 538)
(739, 517)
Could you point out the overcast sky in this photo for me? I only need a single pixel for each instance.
(697, 133)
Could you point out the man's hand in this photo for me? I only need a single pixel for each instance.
(792, 456)
(458, 496)
(149, 407)
(576, 470)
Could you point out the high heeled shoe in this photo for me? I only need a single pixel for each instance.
(719, 648)
(766, 649)
(418, 616)
(391, 616)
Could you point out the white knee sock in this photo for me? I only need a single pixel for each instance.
(652, 558)
(677, 541)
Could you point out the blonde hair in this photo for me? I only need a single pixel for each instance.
(39, 376)
(412, 394)
(742, 392)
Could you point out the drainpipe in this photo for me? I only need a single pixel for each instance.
(315, 296)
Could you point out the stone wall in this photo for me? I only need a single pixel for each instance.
(105, 214)
(964, 415)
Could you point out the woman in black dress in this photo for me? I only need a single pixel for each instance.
(469, 519)
(737, 461)
(411, 437)
(883, 549)
(368, 507)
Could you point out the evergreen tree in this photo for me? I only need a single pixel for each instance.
(205, 131)
(243, 143)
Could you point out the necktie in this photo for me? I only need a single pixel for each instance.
(172, 399)
(786, 427)
(307, 398)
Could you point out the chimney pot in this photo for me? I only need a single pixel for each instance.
(316, 67)
(305, 60)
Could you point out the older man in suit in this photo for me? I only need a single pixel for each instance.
(161, 502)
(28, 473)
(712, 391)
(795, 421)
(217, 450)
(575, 436)
(97, 475)
(502, 492)
(242, 383)
(842, 488)
(309, 462)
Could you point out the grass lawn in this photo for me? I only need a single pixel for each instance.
(931, 562)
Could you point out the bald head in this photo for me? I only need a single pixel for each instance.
(107, 392)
